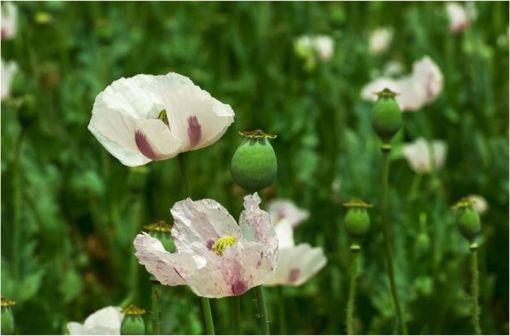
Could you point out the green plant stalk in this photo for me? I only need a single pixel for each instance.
(17, 199)
(475, 291)
(263, 316)
(281, 311)
(236, 314)
(387, 238)
(155, 307)
(352, 293)
(206, 305)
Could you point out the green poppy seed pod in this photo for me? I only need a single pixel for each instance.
(386, 117)
(163, 232)
(468, 220)
(132, 323)
(7, 317)
(357, 221)
(254, 165)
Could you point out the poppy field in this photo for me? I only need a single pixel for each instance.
(254, 168)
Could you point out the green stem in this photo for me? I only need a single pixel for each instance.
(208, 320)
(236, 314)
(264, 317)
(155, 308)
(206, 305)
(17, 199)
(352, 293)
(281, 311)
(386, 231)
(475, 290)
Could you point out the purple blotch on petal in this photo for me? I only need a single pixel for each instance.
(145, 147)
(238, 287)
(294, 274)
(194, 131)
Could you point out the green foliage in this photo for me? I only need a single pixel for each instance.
(71, 211)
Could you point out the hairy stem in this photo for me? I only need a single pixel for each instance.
(475, 290)
(264, 318)
(386, 231)
(156, 327)
(352, 293)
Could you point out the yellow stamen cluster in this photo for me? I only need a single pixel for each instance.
(159, 226)
(221, 244)
(7, 303)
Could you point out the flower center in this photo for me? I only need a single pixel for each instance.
(221, 244)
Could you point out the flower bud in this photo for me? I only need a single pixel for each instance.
(7, 316)
(467, 219)
(162, 231)
(422, 244)
(357, 221)
(386, 117)
(132, 323)
(254, 164)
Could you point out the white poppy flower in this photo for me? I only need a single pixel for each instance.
(215, 256)
(320, 46)
(105, 321)
(458, 16)
(380, 40)
(418, 155)
(146, 118)
(8, 22)
(415, 90)
(8, 70)
(324, 46)
(296, 264)
(479, 203)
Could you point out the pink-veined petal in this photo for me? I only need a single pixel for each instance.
(256, 223)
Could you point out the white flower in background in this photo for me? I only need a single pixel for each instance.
(8, 70)
(8, 22)
(479, 203)
(460, 16)
(423, 156)
(215, 256)
(146, 118)
(393, 68)
(324, 46)
(415, 90)
(296, 264)
(105, 321)
(310, 47)
(380, 40)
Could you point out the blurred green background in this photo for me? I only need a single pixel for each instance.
(70, 211)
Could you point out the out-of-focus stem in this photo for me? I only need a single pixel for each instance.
(17, 198)
(387, 237)
(209, 324)
(281, 311)
(156, 330)
(236, 314)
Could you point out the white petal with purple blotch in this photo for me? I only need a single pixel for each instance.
(280, 209)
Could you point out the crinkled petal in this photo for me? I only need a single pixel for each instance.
(194, 116)
(241, 267)
(198, 224)
(168, 268)
(296, 265)
(256, 223)
(284, 209)
(105, 321)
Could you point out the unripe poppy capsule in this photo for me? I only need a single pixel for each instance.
(132, 323)
(7, 316)
(254, 165)
(357, 220)
(386, 117)
(468, 220)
